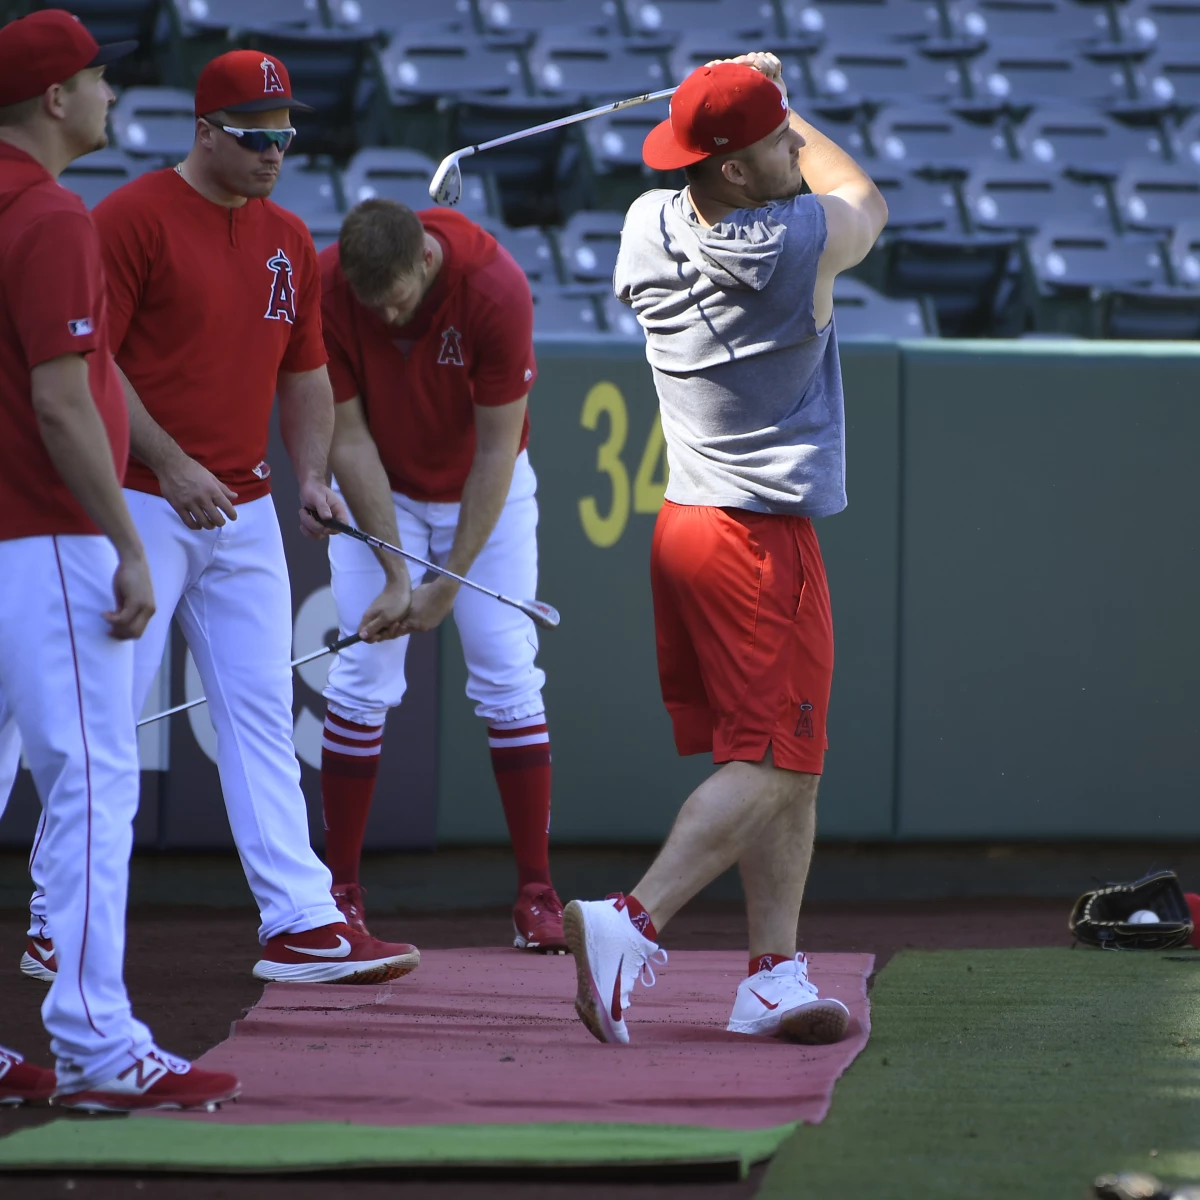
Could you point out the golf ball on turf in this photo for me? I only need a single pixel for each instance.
(1143, 916)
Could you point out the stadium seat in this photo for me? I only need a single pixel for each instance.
(404, 175)
(860, 312)
(1084, 141)
(308, 191)
(532, 16)
(1025, 196)
(530, 247)
(1183, 253)
(231, 16)
(564, 313)
(1158, 195)
(1050, 21)
(874, 72)
(394, 17)
(694, 50)
(1066, 257)
(94, 176)
(155, 122)
(1185, 142)
(614, 141)
(917, 203)
(935, 138)
(619, 322)
(113, 21)
(852, 20)
(573, 64)
(588, 246)
(1159, 22)
(738, 18)
(1169, 79)
(324, 229)
(1022, 71)
(440, 64)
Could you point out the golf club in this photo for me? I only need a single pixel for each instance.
(331, 648)
(538, 612)
(446, 185)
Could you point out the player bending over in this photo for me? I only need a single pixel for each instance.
(429, 324)
(732, 281)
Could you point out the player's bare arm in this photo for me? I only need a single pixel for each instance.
(354, 460)
(497, 442)
(306, 424)
(75, 439)
(199, 498)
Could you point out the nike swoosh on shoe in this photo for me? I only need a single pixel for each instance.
(616, 996)
(767, 1003)
(44, 955)
(341, 950)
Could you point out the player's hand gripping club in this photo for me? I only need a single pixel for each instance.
(318, 503)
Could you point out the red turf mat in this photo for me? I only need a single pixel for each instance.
(488, 1036)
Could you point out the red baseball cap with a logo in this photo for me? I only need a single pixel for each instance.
(245, 81)
(45, 48)
(715, 110)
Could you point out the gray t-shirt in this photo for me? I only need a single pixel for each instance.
(749, 391)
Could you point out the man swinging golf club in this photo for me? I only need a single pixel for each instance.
(732, 280)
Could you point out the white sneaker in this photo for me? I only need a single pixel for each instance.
(783, 1001)
(610, 955)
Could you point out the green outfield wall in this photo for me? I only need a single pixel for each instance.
(1016, 590)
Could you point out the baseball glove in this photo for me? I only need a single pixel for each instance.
(1101, 918)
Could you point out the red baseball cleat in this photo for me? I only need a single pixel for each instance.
(349, 899)
(538, 920)
(159, 1080)
(334, 954)
(39, 960)
(22, 1082)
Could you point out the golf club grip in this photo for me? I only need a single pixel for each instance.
(343, 643)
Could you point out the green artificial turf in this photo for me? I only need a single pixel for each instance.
(1011, 1074)
(142, 1144)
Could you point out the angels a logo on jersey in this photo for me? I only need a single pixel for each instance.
(271, 81)
(451, 354)
(282, 305)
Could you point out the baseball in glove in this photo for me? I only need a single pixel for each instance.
(1102, 918)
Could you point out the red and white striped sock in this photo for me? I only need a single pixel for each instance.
(521, 763)
(349, 764)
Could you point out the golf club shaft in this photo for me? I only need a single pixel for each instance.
(331, 648)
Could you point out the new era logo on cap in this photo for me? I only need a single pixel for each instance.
(80, 328)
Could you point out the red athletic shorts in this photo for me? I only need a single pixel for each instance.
(744, 632)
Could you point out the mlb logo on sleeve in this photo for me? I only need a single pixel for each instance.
(81, 328)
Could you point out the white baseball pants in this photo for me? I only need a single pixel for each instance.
(69, 687)
(499, 642)
(230, 591)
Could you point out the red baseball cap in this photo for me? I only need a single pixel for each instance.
(715, 110)
(245, 81)
(45, 48)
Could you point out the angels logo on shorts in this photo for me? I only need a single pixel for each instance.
(282, 305)
(804, 726)
(451, 353)
(271, 81)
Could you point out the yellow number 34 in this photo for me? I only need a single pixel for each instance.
(605, 400)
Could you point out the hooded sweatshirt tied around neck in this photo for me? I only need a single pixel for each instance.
(749, 390)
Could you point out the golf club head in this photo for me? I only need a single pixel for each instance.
(540, 613)
(446, 185)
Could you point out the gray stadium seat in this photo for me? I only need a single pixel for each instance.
(529, 246)
(324, 229)
(155, 122)
(1084, 140)
(568, 63)
(419, 65)
(1183, 253)
(916, 203)
(876, 72)
(619, 322)
(860, 312)
(1019, 71)
(614, 141)
(530, 16)
(113, 21)
(1066, 257)
(588, 246)
(564, 313)
(1051, 21)
(194, 16)
(852, 20)
(96, 175)
(1185, 142)
(1159, 22)
(309, 192)
(752, 18)
(1025, 196)
(404, 175)
(393, 17)
(930, 136)
(1170, 77)
(696, 49)
(1158, 195)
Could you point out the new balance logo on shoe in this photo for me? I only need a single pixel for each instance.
(767, 1003)
(146, 1073)
(341, 950)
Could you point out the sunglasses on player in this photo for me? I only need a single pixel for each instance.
(259, 140)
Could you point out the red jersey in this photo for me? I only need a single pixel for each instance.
(52, 303)
(470, 342)
(207, 305)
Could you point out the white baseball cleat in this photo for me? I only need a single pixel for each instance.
(610, 956)
(783, 1001)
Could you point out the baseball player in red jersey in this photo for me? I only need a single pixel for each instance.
(75, 587)
(429, 325)
(214, 301)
